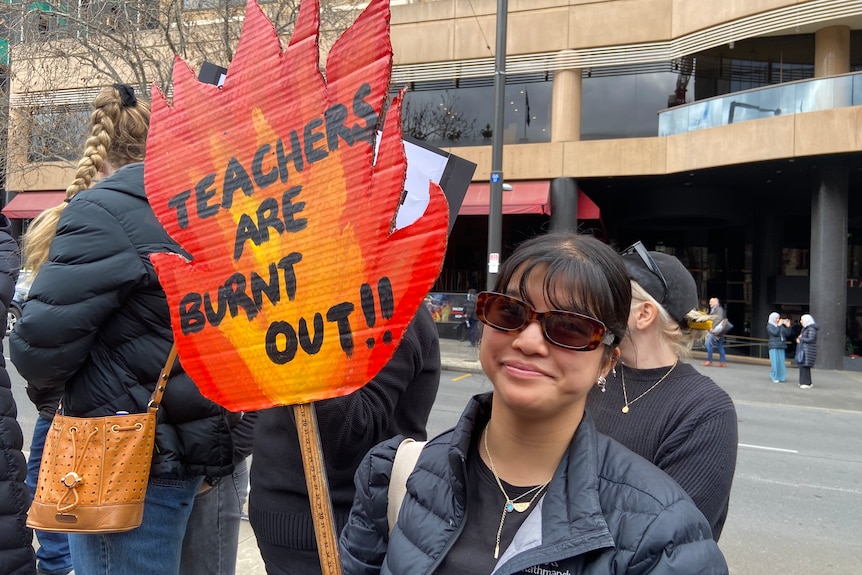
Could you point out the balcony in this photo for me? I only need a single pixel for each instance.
(784, 99)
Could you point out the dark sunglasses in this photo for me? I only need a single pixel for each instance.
(563, 328)
(639, 249)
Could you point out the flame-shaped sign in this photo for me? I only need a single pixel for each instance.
(298, 289)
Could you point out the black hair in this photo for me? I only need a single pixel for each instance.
(593, 274)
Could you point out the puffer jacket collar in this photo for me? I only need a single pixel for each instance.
(125, 180)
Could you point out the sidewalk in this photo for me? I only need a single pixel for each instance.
(745, 379)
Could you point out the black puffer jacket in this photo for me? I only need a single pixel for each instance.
(97, 322)
(606, 511)
(16, 540)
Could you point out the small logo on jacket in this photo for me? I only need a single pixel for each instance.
(547, 569)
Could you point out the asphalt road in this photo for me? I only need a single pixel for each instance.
(796, 504)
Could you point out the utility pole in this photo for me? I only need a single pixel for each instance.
(495, 209)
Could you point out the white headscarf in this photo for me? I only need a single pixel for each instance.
(807, 320)
(773, 318)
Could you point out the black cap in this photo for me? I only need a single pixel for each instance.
(681, 294)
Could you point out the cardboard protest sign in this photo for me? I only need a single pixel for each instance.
(298, 286)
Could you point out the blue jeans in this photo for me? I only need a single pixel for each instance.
(52, 556)
(212, 534)
(153, 547)
(718, 342)
(779, 370)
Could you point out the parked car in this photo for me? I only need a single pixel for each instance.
(22, 289)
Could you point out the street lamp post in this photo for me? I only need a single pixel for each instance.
(495, 208)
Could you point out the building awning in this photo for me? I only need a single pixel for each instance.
(526, 197)
(31, 204)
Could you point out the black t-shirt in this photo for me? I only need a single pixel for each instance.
(473, 552)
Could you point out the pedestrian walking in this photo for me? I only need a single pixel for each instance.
(470, 321)
(806, 353)
(524, 483)
(715, 339)
(778, 329)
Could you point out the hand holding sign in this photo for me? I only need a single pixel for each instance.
(297, 289)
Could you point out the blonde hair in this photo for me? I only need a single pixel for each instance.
(118, 133)
(679, 341)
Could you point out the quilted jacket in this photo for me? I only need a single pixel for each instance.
(97, 323)
(16, 539)
(606, 511)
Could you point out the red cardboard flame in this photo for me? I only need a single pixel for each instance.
(297, 289)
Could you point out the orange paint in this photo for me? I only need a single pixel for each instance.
(269, 183)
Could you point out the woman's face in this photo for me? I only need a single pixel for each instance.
(532, 376)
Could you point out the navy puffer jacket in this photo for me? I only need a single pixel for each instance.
(808, 345)
(606, 511)
(16, 539)
(97, 323)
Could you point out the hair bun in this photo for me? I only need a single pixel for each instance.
(127, 94)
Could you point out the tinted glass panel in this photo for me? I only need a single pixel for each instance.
(464, 115)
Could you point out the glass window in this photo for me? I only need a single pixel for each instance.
(625, 106)
(450, 114)
(57, 132)
(210, 4)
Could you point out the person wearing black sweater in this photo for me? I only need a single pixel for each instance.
(661, 407)
(396, 402)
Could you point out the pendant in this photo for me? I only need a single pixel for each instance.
(625, 409)
(509, 506)
(521, 506)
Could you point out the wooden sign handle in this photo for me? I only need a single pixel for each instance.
(318, 488)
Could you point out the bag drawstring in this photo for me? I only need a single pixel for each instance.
(72, 479)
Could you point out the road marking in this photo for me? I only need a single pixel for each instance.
(768, 448)
(460, 377)
(795, 484)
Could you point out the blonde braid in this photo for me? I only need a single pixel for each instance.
(118, 134)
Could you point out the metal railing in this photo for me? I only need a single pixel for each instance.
(743, 345)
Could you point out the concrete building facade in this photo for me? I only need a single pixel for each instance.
(727, 133)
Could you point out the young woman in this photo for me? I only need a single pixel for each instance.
(778, 330)
(96, 325)
(524, 483)
(657, 405)
(807, 342)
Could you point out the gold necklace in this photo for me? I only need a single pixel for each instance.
(626, 397)
(511, 504)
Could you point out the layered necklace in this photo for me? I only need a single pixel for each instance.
(512, 503)
(652, 387)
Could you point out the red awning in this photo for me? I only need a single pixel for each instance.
(526, 197)
(31, 204)
(587, 208)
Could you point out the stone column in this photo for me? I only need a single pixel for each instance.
(765, 267)
(828, 270)
(566, 106)
(832, 51)
(564, 205)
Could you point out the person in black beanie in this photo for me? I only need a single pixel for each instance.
(396, 402)
(657, 405)
(16, 539)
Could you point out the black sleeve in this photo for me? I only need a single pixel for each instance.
(243, 435)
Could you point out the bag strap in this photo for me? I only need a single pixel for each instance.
(405, 462)
(159, 391)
